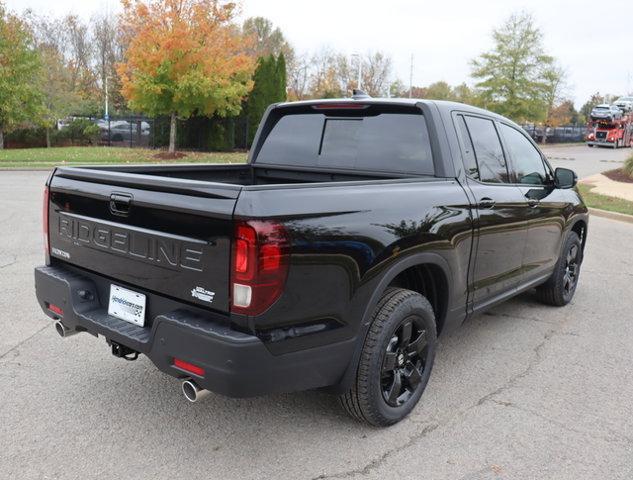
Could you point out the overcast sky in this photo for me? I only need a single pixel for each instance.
(442, 35)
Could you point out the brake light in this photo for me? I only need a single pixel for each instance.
(188, 367)
(340, 106)
(45, 219)
(259, 266)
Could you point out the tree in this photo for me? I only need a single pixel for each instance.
(563, 114)
(267, 39)
(269, 87)
(184, 57)
(58, 97)
(20, 96)
(109, 50)
(439, 91)
(554, 79)
(596, 99)
(511, 77)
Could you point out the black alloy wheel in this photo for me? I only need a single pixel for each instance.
(404, 362)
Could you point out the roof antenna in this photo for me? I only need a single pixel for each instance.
(359, 94)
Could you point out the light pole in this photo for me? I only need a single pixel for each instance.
(107, 117)
(360, 69)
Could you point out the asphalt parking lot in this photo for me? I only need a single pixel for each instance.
(524, 391)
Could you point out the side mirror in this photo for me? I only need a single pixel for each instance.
(565, 178)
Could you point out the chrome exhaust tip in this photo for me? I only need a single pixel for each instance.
(63, 330)
(192, 391)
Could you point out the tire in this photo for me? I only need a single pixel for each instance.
(561, 286)
(395, 362)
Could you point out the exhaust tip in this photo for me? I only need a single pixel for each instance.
(63, 330)
(192, 391)
(189, 390)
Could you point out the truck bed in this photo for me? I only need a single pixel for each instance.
(236, 175)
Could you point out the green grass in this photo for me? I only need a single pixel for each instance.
(604, 202)
(59, 156)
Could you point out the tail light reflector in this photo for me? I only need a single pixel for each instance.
(259, 266)
(55, 309)
(188, 367)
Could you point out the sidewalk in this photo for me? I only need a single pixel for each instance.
(605, 186)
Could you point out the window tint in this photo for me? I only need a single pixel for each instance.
(469, 152)
(488, 151)
(527, 161)
(391, 142)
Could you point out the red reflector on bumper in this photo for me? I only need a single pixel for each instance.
(188, 367)
(55, 309)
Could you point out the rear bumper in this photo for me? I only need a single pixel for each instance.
(601, 144)
(236, 364)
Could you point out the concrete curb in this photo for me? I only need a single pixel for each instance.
(622, 217)
(18, 169)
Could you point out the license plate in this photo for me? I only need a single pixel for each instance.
(127, 305)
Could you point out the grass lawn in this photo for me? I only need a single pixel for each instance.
(51, 157)
(603, 202)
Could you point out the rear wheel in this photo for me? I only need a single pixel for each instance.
(561, 286)
(396, 359)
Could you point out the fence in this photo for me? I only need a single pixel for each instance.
(563, 134)
(195, 133)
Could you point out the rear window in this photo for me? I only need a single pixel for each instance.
(389, 142)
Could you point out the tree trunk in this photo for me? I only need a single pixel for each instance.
(48, 137)
(1, 138)
(172, 133)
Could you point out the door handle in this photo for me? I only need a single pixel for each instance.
(486, 202)
(533, 202)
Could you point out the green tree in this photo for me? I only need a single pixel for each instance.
(585, 110)
(439, 91)
(20, 95)
(511, 77)
(269, 87)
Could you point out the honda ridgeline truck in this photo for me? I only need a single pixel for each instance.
(358, 232)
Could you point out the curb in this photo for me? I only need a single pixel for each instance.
(18, 169)
(622, 217)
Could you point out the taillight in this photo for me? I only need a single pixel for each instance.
(259, 266)
(45, 219)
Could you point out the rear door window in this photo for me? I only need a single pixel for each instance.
(488, 150)
(389, 142)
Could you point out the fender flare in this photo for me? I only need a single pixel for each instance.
(392, 272)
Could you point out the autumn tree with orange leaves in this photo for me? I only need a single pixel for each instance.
(185, 57)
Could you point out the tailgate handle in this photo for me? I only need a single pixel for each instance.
(120, 204)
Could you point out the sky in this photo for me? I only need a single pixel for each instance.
(443, 36)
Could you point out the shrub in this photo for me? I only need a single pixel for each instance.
(628, 166)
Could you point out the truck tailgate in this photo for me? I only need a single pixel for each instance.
(168, 236)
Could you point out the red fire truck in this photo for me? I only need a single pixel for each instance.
(614, 134)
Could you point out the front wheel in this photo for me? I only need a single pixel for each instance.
(561, 286)
(396, 359)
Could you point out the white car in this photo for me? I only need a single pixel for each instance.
(606, 112)
(624, 103)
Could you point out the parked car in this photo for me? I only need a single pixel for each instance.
(606, 112)
(625, 104)
(358, 232)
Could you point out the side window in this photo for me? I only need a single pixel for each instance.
(488, 151)
(527, 161)
(470, 162)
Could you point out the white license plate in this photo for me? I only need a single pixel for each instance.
(127, 305)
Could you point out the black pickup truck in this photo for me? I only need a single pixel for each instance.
(359, 230)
